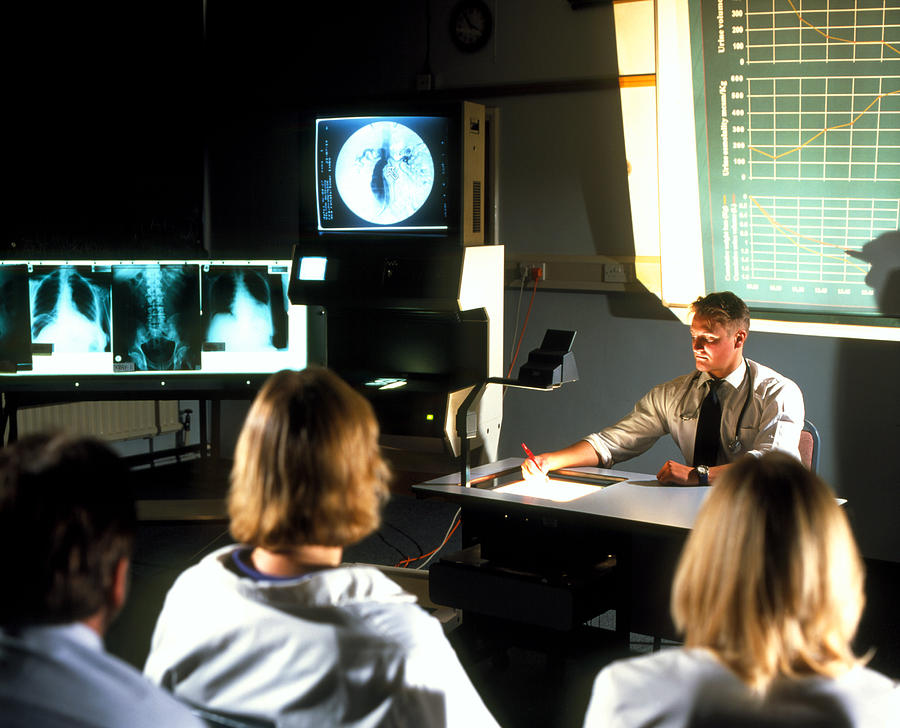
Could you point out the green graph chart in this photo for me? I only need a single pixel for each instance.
(797, 104)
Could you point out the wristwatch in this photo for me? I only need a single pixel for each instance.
(703, 474)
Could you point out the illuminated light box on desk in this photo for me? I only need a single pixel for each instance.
(554, 489)
(561, 486)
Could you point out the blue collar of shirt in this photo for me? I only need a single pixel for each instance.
(240, 557)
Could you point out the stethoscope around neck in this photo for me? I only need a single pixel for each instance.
(735, 443)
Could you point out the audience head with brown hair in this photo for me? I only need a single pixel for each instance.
(277, 626)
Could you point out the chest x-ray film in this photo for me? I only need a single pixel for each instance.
(247, 317)
(70, 308)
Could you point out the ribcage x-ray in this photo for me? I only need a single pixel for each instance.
(70, 308)
(15, 341)
(156, 318)
(247, 309)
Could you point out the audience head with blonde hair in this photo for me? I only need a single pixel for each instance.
(307, 466)
(770, 579)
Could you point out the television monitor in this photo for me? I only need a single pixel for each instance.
(123, 324)
(412, 171)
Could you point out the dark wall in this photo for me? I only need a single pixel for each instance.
(269, 65)
(103, 150)
(103, 96)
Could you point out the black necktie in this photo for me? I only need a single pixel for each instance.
(706, 441)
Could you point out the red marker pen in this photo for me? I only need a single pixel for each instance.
(532, 458)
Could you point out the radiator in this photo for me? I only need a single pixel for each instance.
(107, 420)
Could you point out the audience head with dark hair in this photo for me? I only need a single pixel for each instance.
(67, 528)
(67, 513)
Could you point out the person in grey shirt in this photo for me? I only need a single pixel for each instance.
(67, 524)
(746, 407)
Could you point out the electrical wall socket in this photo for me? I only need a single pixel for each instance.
(529, 271)
(615, 273)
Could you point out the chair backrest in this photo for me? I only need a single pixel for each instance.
(809, 446)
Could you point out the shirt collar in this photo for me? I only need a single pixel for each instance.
(735, 379)
(49, 635)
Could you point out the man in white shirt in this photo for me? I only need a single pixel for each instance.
(67, 525)
(730, 406)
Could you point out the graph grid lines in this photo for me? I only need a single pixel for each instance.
(806, 239)
(829, 128)
(800, 180)
(798, 31)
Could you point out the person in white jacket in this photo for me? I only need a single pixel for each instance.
(768, 594)
(275, 628)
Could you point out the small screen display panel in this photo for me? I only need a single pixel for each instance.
(383, 173)
(141, 317)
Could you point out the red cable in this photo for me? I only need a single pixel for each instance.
(408, 561)
(537, 277)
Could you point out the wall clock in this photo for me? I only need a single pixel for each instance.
(471, 24)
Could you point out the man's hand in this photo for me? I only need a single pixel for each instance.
(581, 453)
(531, 471)
(677, 474)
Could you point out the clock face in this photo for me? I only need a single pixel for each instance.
(471, 24)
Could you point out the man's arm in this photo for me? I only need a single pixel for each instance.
(633, 434)
(579, 453)
(780, 421)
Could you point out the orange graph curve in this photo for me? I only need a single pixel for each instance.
(826, 129)
(793, 236)
(835, 38)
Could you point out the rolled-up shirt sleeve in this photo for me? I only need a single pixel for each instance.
(635, 433)
(780, 418)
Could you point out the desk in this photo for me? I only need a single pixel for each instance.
(549, 563)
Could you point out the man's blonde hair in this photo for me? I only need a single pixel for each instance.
(725, 308)
(307, 466)
(770, 579)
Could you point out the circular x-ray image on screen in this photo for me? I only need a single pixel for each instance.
(384, 172)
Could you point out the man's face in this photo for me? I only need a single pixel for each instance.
(717, 349)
